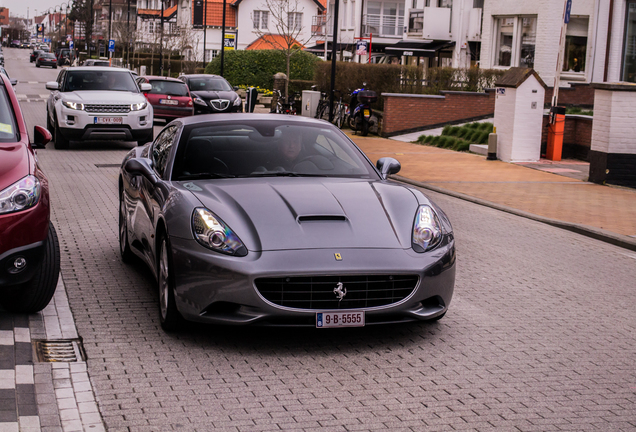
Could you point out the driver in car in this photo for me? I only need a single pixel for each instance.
(288, 152)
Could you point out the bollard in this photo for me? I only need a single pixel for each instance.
(555, 133)
(492, 145)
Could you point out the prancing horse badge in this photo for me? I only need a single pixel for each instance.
(338, 257)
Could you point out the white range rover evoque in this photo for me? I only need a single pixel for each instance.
(98, 103)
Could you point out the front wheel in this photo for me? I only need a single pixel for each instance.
(36, 294)
(169, 317)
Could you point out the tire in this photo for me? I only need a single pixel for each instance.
(352, 123)
(169, 317)
(61, 143)
(127, 254)
(364, 127)
(49, 125)
(54, 67)
(339, 117)
(36, 294)
(37, 65)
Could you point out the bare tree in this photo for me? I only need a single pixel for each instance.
(283, 16)
(187, 42)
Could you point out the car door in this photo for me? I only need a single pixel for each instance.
(152, 197)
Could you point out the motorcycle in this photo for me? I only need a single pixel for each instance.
(360, 118)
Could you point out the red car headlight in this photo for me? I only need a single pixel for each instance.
(21, 195)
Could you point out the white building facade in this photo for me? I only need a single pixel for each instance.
(527, 33)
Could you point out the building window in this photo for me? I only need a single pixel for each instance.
(440, 3)
(210, 54)
(629, 47)
(260, 19)
(515, 41)
(478, 4)
(575, 45)
(151, 27)
(385, 18)
(295, 20)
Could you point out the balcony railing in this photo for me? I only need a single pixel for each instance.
(319, 25)
(382, 25)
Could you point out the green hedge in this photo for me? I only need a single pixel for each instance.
(258, 67)
(459, 137)
(389, 78)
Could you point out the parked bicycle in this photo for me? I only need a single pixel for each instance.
(340, 109)
(284, 106)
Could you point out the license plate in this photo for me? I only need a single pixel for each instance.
(367, 113)
(340, 319)
(168, 102)
(109, 120)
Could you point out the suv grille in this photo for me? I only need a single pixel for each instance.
(318, 292)
(219, 104)
(107, 108)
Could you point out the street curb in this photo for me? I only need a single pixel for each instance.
(588, 231)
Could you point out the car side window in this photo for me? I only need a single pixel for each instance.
(161, 149)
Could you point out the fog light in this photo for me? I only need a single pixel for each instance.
(19, 264)
(70, 120)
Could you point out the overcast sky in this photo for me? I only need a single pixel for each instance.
(19, 7)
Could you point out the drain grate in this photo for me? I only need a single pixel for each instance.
(107, 165)
(64, 350)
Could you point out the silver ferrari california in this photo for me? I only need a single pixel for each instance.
(280, 220)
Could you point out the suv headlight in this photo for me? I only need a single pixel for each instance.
(237, 102)
(138, 106)
(73, 105)
(21, 195)
(427, 230)
(213, 233)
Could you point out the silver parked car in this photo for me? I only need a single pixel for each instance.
(279, 220)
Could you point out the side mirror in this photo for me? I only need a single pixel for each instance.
(141, 166)
(41, 137)
(13, 81)
(52, 85)
(235, 88)
(388, 166)
(144, 87)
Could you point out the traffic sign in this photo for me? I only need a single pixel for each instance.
(111, 45)
(70, 44)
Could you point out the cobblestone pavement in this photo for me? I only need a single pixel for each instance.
(540, 335)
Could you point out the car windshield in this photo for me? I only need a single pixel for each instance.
(171, 88)
(100, 80)
(264, 148)
(209, 84)
(7, 121)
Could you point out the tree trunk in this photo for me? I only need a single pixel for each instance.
(288, 58)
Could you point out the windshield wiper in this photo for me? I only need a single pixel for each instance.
(282, 174)
(201, 176)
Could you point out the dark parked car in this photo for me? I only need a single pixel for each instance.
(46, 59)
(212, 94)
(93, 62)
(280, 220)
(34, 55)
(169, 97)
(29, 249)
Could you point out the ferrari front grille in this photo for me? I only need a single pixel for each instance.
(107, 108)
(337, 292)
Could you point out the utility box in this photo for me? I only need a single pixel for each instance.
(310, 102)
(519, 115)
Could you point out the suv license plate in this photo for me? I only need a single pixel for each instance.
(109, 120)
(339, 319)
(168, 102)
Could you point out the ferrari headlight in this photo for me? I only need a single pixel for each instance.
(21, 195)
(199, 101)
(73, 105)
(427, 230)
(237, 102)
(213, 233)
(138, 106)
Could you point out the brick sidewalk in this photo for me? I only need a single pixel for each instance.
(529, 190)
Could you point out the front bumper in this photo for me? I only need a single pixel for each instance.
(29, 257)
(164, 112)
(220, 289)
(81, 125)
(206, 109)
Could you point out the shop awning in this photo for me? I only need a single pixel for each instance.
(418, 48)
(320, 48)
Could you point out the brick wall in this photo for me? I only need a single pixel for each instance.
(577, 95)
(405, 113)
(577, 136)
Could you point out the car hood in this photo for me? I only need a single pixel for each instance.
(303, 213)
(104, 97)
(14, 163)
(208, 95)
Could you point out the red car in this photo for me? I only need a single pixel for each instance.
(29, 249)
(169, 97)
